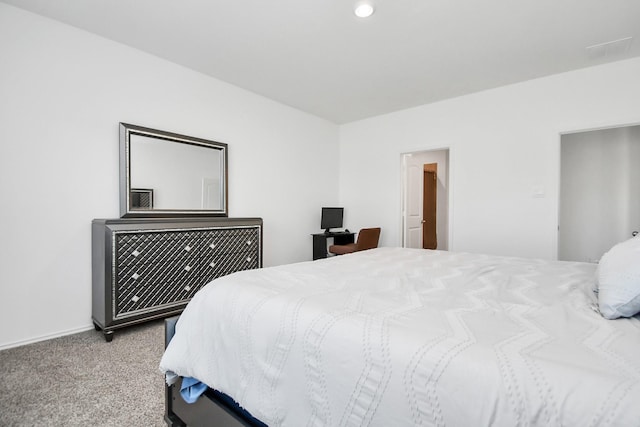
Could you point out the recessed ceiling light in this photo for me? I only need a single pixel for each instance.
(363, 10)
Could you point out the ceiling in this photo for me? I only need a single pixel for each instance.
(317, 56)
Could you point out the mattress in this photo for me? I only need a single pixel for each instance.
(395, 336)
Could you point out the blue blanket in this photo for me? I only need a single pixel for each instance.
(191, 389)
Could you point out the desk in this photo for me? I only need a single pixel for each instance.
(320, 242)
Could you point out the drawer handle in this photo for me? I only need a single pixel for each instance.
(135, 276)
(135, 253)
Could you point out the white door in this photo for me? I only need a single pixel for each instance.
(210, 193)
(413, 202)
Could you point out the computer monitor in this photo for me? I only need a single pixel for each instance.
(331, 218)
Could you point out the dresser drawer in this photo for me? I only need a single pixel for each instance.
(154, 287)
(230, 240)
(221, 264)
(136, 248)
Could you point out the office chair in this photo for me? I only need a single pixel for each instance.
(367, 239)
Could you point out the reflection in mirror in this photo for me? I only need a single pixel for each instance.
(168, 174)
(180, 175)
(141, 198)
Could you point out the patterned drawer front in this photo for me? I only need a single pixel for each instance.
(230, 240)
(140, 270)
(135, 248)
(163, 268)
(222, 264)
(153, 286)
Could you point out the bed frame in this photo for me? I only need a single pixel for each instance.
(211, 409)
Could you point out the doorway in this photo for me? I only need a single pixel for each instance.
(599, 187)
(430, 206)
(425, 207)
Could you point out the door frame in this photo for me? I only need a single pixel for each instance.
(449, 191)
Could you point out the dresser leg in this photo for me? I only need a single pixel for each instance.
(108, 336)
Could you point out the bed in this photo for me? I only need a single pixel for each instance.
(405, 337)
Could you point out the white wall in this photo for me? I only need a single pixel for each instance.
(62, 94)
(504, 156)
(598, 191)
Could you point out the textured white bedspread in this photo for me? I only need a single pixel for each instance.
(402, 337)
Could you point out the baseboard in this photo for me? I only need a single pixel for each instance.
(46, 337)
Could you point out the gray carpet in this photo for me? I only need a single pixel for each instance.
(81, 380)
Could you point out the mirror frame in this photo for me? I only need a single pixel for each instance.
(126, 211)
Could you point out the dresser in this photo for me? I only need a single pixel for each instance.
(143, 269)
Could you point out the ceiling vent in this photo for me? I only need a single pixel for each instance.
(609, 50)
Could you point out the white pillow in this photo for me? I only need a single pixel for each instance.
(619, 280)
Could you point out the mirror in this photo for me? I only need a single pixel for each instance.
(166, 174)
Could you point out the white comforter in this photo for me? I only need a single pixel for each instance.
(402, 337)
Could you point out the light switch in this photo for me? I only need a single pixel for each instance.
(537, 192)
